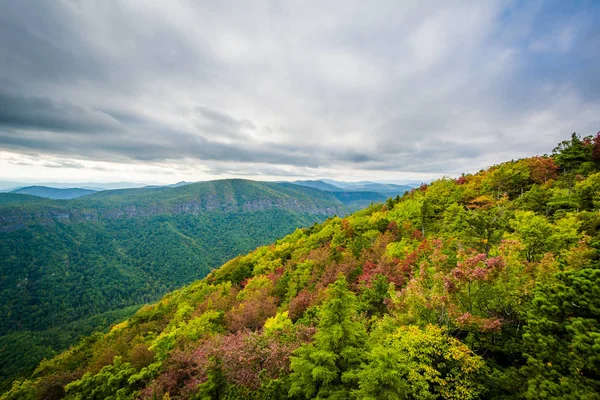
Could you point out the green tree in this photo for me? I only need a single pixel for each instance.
(588, 192)
(510, 178)
(411, 363)
(534, 232)
(562, 338)
(215, 386)
(571, 154)
(325, 369)
(484, 228)
(373, 298)
(108, 384)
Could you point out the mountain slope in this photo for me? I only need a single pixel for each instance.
(15, 198)
(54, 193)
(64, 261)
(485, 286)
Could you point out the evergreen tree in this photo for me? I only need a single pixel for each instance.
(325, 369)
(562, 339)
(571, 154)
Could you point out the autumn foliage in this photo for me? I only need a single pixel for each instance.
(485, 286)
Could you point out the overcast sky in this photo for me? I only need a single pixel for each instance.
(162, 91)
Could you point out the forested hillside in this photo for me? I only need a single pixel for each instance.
(485, 286)
(68, 268)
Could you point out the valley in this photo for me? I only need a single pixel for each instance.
(71, 267)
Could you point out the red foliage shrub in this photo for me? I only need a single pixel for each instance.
(246, 358)
(275, 275)
(394, 230)
(596, 148)
(416, 234)
(472, 269)
(320, 258)
(217, 301)
(184, 371)
(495, 263)
(542, 169)
(346, 266)
(468, 321)
(394, 270)
(346, 227)
(252, 312)
(300, 303)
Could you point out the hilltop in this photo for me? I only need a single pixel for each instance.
(485, 286)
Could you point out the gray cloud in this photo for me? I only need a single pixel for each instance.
(296, 88)
(151, 143)
(221, 124)
(43, 113)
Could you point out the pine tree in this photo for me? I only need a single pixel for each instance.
(325, 369)
(562, 339)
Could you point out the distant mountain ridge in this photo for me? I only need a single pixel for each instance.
(54, 193)
(373, 186)
(359, 194)
(319, 184)
(228, 196)
(7, 186)
(188, 198)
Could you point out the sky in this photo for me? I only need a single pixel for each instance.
(164, 91)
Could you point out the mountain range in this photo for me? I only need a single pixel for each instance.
(484, 286)
(7, 186)
(71, 267)
(69, 191)
(54, 193)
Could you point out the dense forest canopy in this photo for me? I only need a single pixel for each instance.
(485, 286)
(72, 267)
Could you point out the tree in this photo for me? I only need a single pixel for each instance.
(588, 192)
(534, 232)
(542, 169)
(109, 383)
(509, 178)
(411, 363)
(571, 154)
(562, 338)
(484, 228)
(596, 148)
(215, 385)
(325, 369)
(375, 295)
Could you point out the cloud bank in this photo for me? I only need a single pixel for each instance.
(275, 89)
